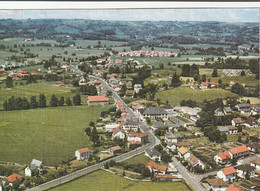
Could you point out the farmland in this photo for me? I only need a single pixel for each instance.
(106, 181)
(50, 134)
(176, 95)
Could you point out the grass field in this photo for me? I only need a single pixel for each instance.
(176, 95)
(138, 159)
(50, 134)
(105, 181)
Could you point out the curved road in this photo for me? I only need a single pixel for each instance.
(152, 139)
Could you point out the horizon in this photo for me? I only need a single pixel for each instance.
(132, 15)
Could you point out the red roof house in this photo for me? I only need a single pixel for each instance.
(233, 187)
(13, 178)
(100, 100)
(239, 151)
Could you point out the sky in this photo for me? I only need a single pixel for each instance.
(225, 15)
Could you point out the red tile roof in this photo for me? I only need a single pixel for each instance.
(152, 164)
(239, 149)
(228, 170)
(33, 74)
(115, 148)
(138, 135)
(224, 155)
(165, 176)
(115, 130)
(98, 99)
(85, 150)
(2, 70)
(233, 188)
(13, 177)
(120, 120)
(135, 142)
(97, 82)
(207, 83)
(101, 85)
(120, 104)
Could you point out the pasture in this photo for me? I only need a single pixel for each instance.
(101, 180)
(50, 134)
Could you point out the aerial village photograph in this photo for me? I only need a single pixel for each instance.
(129, 99)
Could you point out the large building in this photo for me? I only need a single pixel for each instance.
(83, 153)
(153, 113)
(98, 100)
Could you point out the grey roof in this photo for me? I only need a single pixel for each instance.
(227, 109)
(37, 163)
(154, 111)
(218, 110)
(170, 135)
(167, 107)
(158, 124)
(152, 152)
(131, 122)
(169, 124)
(244, 105)
(223, 129)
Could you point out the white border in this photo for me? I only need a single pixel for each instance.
(18, 5)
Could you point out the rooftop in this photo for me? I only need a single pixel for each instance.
(239, 149)
(183, 150)
(14, 177)
(85, 150)
(98, 99)
(229, 170)
(216, 182)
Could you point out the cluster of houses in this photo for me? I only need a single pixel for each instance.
(208, 85)
(15, 75)
(71, 66)
(13, 65)
(233, 72)
(147, 54)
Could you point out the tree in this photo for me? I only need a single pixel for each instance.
(215, 72)
(9, 82)
(94, 137)
(68, 101)
(25, 104)
(203, 78)
(33, 102)
(88, 131)
(5, 106)
(175, 80)
(77, 100)
(61, 101)
(54, 101)
(42, 101)
(91, 124)
(243, 73)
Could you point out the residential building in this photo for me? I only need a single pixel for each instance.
(115, 149)
(237, 122)
(183, 152)
(137, 88)
(153, 154)
(35, 167)
(251, 122)
(157, 169)
(217, 184)
(256, 163)
(227, 110)
(118, 133)
(98, 100)
(223, 158)
(168, 108)
(130, 126)
(157, 125)
(140, 137)
(228, 129)
(206, 85)
(227, 174)
(245, 170)
(120, 105)
(193, 161)
(170, 137)
(165, 177)
(243, 106)
(254, 147)
(219, 112)
(83, 153)
(13, 178)
(153, 113)
(239, 151)
(233, 187)
(109, 127)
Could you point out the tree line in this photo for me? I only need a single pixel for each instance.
(23, 103)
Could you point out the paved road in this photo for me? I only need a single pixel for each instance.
(152, 139)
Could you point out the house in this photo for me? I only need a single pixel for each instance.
(174, 146)
(153, 154)
(223, 129)
(109, 127)
(227, 110)
(157, 169)
(239, 151)
(83, 153)
(256, 163)
(198, 134)
(137, 88)
(251, 122)
(168, 108)
(217, 184)
(118, 133)
(228, 130)
(233, 187)
(130, 126)
(254, 147)
(98, 100)
(237, 122)
(245, 170)
(120, 105)
(157, 125)
(141, 137)
(170, 137)
(194, 161)
(219, 112)
(227, 174)
(243, 106)
(165, 177)
(35, 167)
(13, 178)
(206, 85)
(223, 158)
(183, 152)
(115, 149)
(153, 113)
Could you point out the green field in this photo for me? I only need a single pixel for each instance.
(176, 95)
(105, 181)
(138, 159)
(50, 134)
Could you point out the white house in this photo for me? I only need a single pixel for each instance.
(194, 161)
(233, 187)
(222, 158)
(183, 152)
(239, 151)
(226, 174)
(237, 121)
(245, 169)
(256, 163)
(217, 184)
(138, 137)
(170, 137)
(83, 153)
(137, 88)
(153, 154)
(157, 169)
(36, 166)
(118, 133)
(109, 127)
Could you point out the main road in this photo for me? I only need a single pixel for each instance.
(153, 141)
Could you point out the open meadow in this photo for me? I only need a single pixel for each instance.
(105, 181)
(50, 134)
